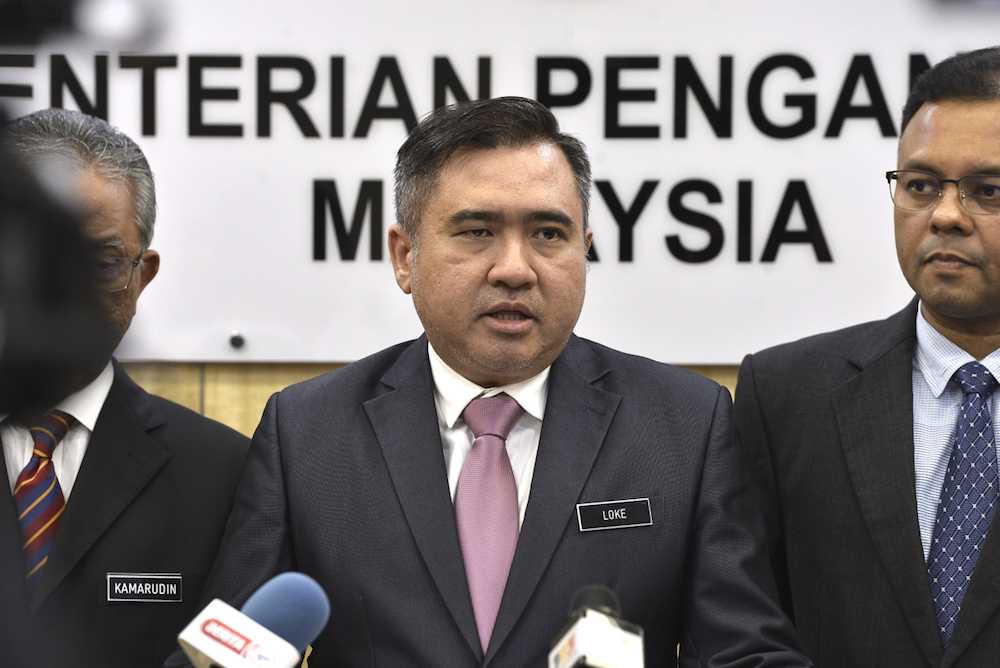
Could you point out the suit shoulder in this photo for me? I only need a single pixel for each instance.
(853, 341)
(832, 342)
(212, 429)
(630, 373)
(802, 370)
(176, 426)
(357, 381)
(186, 432)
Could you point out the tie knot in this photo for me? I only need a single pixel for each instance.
(48, 430)
(975, 379)
(492, 415)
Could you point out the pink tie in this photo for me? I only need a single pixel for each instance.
(486, 507)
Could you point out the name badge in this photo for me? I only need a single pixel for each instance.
(614, 514)
(145, 587)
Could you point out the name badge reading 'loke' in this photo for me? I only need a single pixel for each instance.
(145, 587)
(614, 514)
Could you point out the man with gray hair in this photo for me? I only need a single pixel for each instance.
(118, 498)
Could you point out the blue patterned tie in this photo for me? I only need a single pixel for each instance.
(968, 498)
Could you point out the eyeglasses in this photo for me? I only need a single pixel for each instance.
(114, 274)
(918, 191)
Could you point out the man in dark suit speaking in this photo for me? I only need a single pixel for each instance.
(118, 499)
(874, 446)
(452, 493)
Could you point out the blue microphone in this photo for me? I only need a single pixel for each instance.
(292, 606)
(272, 630)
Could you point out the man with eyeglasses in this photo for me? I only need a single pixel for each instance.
(118, 498)
(873, 447)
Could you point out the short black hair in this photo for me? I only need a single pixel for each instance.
(966, 77)
(503, 122)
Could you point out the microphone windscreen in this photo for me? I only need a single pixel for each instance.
(290, 605)
(595, 597)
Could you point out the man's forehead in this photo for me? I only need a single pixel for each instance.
(510, 163)
(963, 118)
(468, 152)
(535, 176)
(964, 131)
(106, 210)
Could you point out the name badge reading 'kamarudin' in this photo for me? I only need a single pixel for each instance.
(145, 587)
(614, 514)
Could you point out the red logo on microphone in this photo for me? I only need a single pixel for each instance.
(221, 633)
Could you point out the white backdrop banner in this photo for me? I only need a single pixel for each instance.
(739, 152)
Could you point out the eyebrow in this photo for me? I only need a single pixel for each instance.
(113, 242)
(490, 216)
(924, 167)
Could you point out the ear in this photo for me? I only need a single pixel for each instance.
(401, 252)
(588, 240)
(149, 267)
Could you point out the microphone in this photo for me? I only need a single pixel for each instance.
(595, 636)
(272, 630)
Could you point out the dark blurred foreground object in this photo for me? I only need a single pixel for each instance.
(51, 329)
(596, 636)
(122, 24)
(25, 21)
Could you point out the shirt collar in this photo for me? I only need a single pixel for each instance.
(454, 391)
(938, 358)
(86, 404)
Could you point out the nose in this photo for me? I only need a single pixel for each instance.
(948, 215)
(512, 265)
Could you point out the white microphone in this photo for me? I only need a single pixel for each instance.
(276, 624)
(595, 637)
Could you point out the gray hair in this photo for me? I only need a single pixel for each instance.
(88, 142)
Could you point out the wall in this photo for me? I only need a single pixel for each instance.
(739, 159)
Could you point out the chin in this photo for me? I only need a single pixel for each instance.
(960, 309)
(509, 369)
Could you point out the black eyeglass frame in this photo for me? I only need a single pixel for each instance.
(131, 272)
(893, 174)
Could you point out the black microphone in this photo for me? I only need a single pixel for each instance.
(595, 636)
(272, 630)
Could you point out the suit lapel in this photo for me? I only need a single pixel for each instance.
(577, 418)
(13, 591)
(405, 423)
(121, 459)
(874, 411)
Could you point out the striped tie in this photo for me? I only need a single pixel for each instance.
(38, 496)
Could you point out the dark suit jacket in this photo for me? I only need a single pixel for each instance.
(827, 423)
(346, 482)
(152, 496)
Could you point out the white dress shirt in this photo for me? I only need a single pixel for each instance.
(85, 406)
(936, 407)
(453, 392)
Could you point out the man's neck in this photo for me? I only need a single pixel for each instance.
(978, 337)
